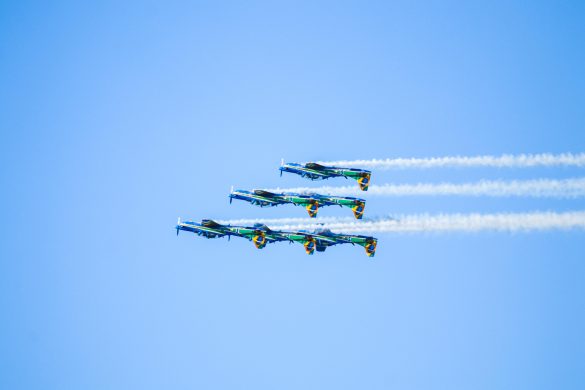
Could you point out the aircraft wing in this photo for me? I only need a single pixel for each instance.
(258, 197)
(207, 233)
(267, 202)
(207, 228)
(317, 167)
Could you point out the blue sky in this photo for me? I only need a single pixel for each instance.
(116, 118)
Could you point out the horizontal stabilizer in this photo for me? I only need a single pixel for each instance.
(321, 248)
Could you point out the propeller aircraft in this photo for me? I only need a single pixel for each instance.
(311, 202)
(314, 171)
(321, 239)
(261, 235)
(211, 229)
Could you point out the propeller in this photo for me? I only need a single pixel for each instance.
(231, 192)
(281, 165)
(178, 223)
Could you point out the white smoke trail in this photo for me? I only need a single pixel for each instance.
(503, 161)
(512, 222)
(539, 188)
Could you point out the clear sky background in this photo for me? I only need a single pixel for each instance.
(118, 117)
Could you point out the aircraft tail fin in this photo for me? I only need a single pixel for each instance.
(259, 239)
(364, 181)
(358, 209)
(370, 246)
(313, 209)
(310, 246)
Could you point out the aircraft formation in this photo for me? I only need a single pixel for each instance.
(318, 240)
(311, 202)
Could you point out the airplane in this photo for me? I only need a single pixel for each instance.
(261, 235)
(211, 229)
(314, 171)
(265, 198)
(311, 202)
(207, 228)
(369, 243)
(357, 205)
(319, 239)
